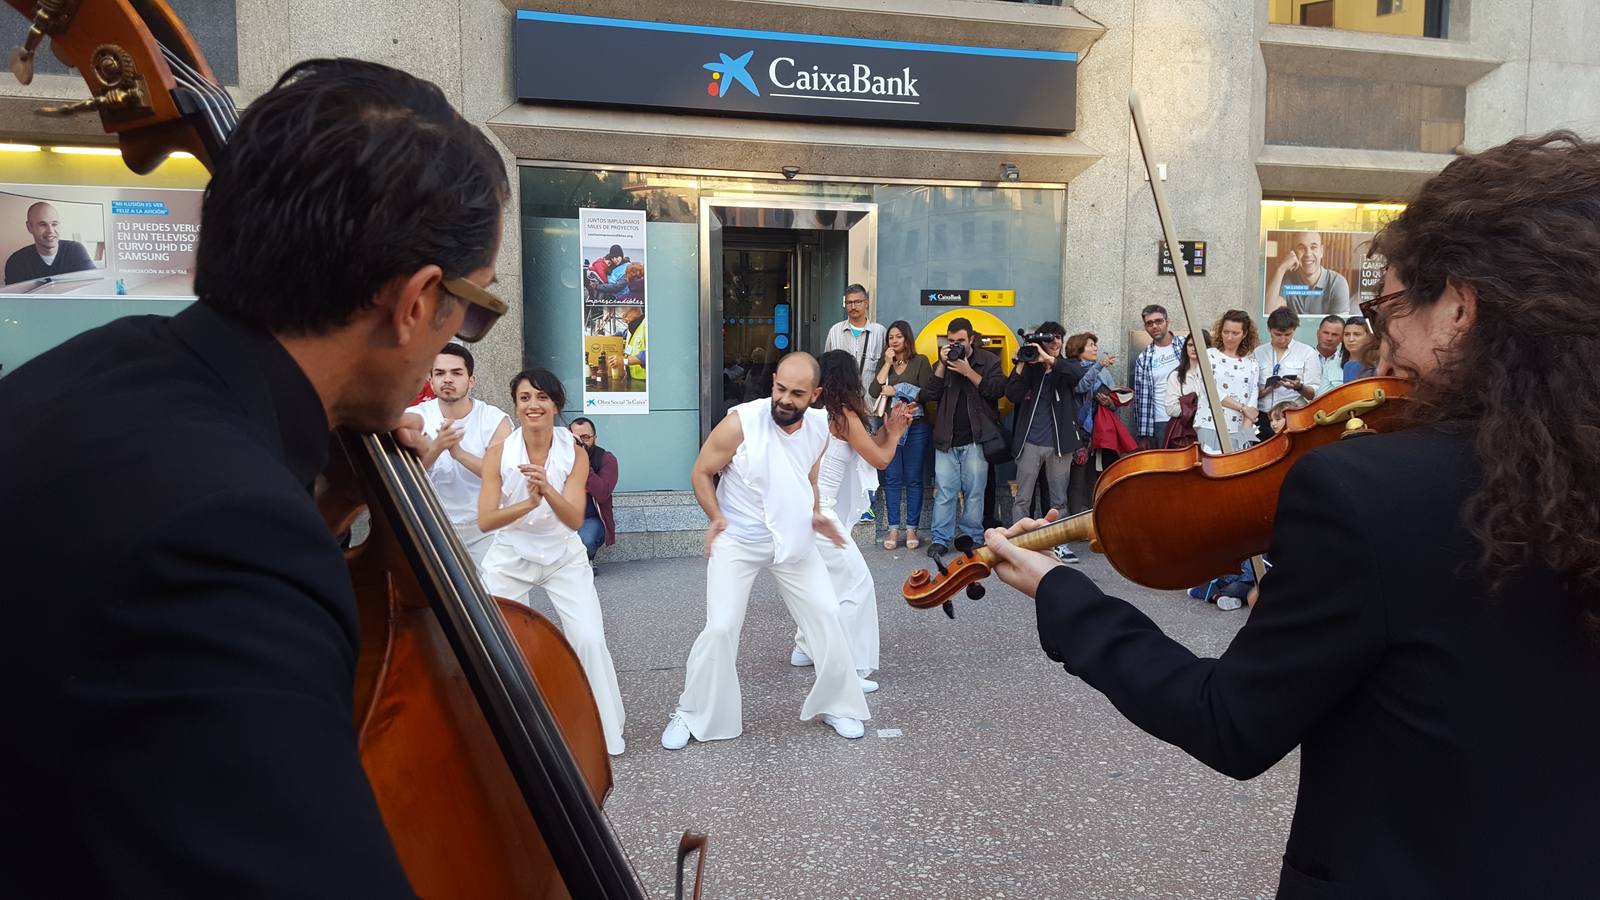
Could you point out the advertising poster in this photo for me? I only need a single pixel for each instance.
(615, 332)
(1319, 273)
(71, 242)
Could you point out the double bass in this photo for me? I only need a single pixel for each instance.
(476, 725)
(1168, 519)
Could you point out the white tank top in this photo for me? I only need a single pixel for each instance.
(538, 536)
(845, 480)
(765, 493)
(455, 484)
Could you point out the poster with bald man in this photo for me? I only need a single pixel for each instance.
(1320, 273)
(98, 242)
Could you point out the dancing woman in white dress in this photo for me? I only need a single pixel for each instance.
(846, 476)
(533, 501)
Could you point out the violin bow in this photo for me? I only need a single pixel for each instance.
(1196, 331)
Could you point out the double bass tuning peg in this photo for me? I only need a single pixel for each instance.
(964, 545)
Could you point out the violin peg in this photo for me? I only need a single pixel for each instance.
(975, 591)
(964, 544)
(949, 608)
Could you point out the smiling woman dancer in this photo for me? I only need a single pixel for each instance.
(533, 500)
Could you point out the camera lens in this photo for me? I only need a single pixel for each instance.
(958, 351)
(1028, 352)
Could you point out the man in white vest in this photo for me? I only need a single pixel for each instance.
(459, 429)
(764, 516)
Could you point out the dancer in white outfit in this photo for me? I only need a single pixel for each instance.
(460, 430)
(764, 515)
(533, 501)
(848, 474)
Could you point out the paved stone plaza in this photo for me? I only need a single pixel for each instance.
(986, 770)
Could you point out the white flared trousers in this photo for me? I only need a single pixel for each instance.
(858, 597)
(711, 704)
(570, 584)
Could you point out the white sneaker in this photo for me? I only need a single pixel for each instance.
(1226, 602)
(676, 736)
(798, 658)
(1065, 554)
(845, 726)
(867, 685)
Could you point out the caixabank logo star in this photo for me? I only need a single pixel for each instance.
(725, 73)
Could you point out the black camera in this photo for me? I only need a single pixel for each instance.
(1032, 345)
(956, 351)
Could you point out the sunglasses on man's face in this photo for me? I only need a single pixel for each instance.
(483, 308)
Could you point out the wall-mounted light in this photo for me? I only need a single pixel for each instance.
(20, 148)
(790, 172)
(1010, 172)
(87, 151)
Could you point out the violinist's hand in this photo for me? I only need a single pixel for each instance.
(1022, 569)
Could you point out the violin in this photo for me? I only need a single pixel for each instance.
(476, 725)
(1227, 502)
(1169, 519)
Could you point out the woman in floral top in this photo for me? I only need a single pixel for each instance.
(1236, 379)
(1237, 333)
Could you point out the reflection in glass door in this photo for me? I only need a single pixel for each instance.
(758, 289)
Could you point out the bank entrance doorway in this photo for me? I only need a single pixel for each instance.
(773, 274)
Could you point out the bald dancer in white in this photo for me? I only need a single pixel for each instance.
(849, 471)
(460, 429)
(765, 515)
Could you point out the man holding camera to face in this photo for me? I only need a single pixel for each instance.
(967, 381)
(1044, 432)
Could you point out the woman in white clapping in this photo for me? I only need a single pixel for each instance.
(533, 500)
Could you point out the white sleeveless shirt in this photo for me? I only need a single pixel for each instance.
(765, 492)
(538, 536)
(845, 480)
(454, 483)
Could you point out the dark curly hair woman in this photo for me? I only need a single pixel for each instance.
(1438, 667)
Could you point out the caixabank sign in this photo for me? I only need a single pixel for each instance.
(566, 58)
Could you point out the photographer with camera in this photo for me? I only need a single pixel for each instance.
(1043, 388)
(967, 381)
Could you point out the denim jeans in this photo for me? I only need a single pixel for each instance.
(905, 473)
(593, 534)
(959, 469)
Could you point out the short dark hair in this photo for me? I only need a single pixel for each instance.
(1151, 309)
(961, 323)
(544, 380)
(1337, 320)
(857, 289)
(1053, 328)
(585, 420)
(455, 349)
(1282, 319)
(343, 177)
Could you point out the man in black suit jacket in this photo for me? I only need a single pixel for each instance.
(1428, 636)
(181, 633)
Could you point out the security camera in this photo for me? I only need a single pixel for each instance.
(1010, 172)
(790, 172)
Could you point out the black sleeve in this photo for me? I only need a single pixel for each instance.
(934, 389)
(78, 256)
(992, 384)
(1315, 632)
(1069, 369)
(1017, 385)
(215, 750)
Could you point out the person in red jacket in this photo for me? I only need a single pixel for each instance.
(599, 528)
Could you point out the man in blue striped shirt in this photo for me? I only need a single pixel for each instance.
(1150, 370)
